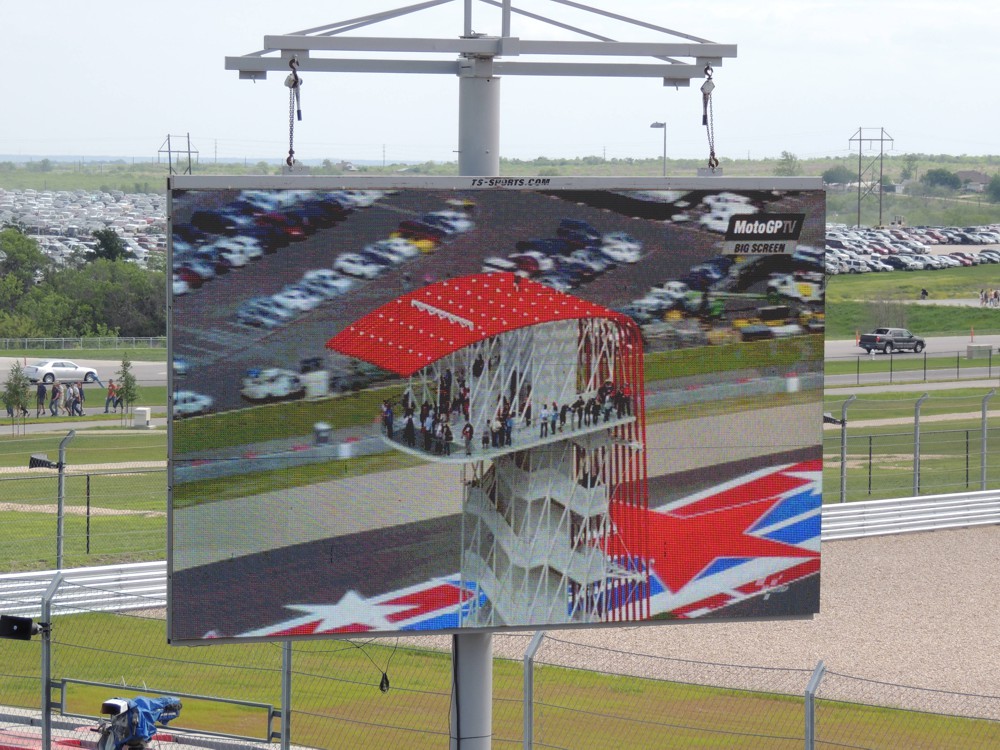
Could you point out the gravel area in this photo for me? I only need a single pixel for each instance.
(912, 609)
(916, 610)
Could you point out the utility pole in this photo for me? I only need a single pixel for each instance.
(867, 183)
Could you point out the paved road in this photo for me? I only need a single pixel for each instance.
(146, 373)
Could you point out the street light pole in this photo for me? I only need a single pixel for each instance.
(662, 126)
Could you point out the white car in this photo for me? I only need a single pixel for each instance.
(272, 383)
(235, 257)
(734, 200)
(353, 264)
(395, 250)
(297, 298)
(249, 246)
(332, 278)
(621, 247)
(457, 220)
(50, 370)
(323, 287)
(189, 403)
(180, 286)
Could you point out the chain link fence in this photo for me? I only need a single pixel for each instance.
(397, 693)
(84, 342)
(975, 362)
(908, 444)
(107, 517)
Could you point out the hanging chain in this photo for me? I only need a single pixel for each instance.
(708, 116)
(294, 84)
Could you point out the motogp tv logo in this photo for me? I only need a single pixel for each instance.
(765, 227)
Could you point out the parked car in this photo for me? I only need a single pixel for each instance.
(577, 229)
(189, 404)
(354, 264)
(343, 284)
(296, 297)
(272, 383)
(50, 370)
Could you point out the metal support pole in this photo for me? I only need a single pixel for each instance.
(664, 149)
(843, 448)
(45, 626)
(286, 695)
(61, 497)
(916, 444)
(478, 117)
(472, 691)
(810, 705)
(472, 653)
(982, 446)
(529, 689)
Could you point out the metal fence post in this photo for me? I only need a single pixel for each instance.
(529, 689)
(286, 695)
(810, 705)
(45, 627)
(61, 497)
(916, 444)
(843, 448)
(982, 446)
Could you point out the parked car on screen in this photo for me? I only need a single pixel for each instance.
(259, 317)
(421, 230)
(354, 264)
(267, 304)
(390, 253)
(593, 257)
(578, 229)
(50, 370)
(295, 297)
(249, 246)
(342, 283)
(189, 404)
(494, 264)
(272, 383)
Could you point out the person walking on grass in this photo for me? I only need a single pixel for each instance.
(112, 399)
(39, 399)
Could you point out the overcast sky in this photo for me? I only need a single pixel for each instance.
(114, 78)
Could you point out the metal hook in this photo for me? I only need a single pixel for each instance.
(708, 72)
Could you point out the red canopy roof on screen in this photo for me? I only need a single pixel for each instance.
(425, 325)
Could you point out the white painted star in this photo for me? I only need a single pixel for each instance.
(352, 609)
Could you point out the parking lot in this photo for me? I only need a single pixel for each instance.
(220, 349)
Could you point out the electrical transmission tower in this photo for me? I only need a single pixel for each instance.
(868, 182)
(167, 148)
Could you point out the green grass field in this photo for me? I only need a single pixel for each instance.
(856, 302)
(336, 696)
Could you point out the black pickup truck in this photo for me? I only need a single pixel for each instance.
(888, 340)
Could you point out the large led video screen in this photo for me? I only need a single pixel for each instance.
(436, 405)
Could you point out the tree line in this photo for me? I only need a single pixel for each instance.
(102, 294)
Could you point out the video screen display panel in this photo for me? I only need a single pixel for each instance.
(433, 405)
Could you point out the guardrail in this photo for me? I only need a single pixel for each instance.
(144, 585)
(904, 515)
(110, 588)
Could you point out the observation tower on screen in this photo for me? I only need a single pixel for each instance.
(554, 475)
